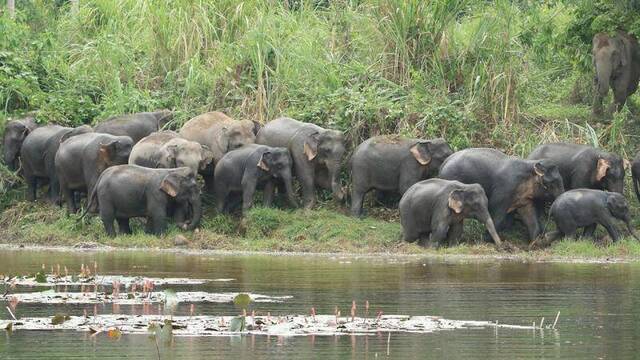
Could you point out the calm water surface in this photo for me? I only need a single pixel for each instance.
(599, 305)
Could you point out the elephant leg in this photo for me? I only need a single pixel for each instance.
(107, 216)
(209, 184)
(409, 234)
(123, 225)
(159, 226)
(222, 192)
(54, 190)
(438, 236)
(148, 227)
(589, 231)
(305, 174)
(32, 186)
(611, 229)
(619, 96)
(454, 234)
(248, 190)
(69, 198)
(529, 216)
(268, 193)
(599, 94)
(357, 198)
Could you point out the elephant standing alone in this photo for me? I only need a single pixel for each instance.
(316, 152)
(393, 163)
(15, 132)
(81, 159)
(616, 60)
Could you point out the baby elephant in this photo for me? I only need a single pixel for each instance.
(242, 170)
(587, 208)
(127, 191)
(438, 207)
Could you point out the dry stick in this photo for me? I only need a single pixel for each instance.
(388, 342)
(541, 322)
(556, 321)
(13, 316)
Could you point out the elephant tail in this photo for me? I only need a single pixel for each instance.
(92, 200)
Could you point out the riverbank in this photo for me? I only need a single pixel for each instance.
(325, 231)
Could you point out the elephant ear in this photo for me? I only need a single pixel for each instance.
(106, 151)
(311, 146)
(601, 169)
(167, 158)
(455, 201)
(169, 185)
(206, 156)
(264, 160)
(539, 169)
(421, 153)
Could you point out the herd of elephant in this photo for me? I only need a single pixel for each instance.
(130, 167)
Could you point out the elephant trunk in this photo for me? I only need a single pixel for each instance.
(488, 222)
(603, 75)
(288, 186)
(196, 212)
(10, 156)
(334, 174)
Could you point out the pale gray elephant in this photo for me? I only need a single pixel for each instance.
(167, 149)
(616, 60)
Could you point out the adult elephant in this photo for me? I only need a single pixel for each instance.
(220, 134)
(14, 134)
(81, 159)
(316, 152)
(393, 163)
(136, 126)
(437, 208)
(38, 157)
(511, 184)
(127, 191)
(616, 60)
(583, 166)
(167, 149)
(635, 175)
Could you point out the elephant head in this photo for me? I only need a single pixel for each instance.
(547, 182)
(237, 135)
(181, 186)
(114, 152)
(619, 208)
(14, 134)
(471, 201)
(179, 152)
(431, 153)
(163, 117)
(610, 172)
(76, 131)
(327, 148)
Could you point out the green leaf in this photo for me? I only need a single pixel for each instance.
(237, 324)
(59, 319)
(242, 301)
(41, 277)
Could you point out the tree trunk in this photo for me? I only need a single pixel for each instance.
(11, 5)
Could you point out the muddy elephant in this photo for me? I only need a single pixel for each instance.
(245, 169)
(167, 149)
(38, 157)
(583, 166)
(81, 159)
(220, 134)
(588, 208)
(393, 163)
(126, 191)
(436, 209)
(635, 175)
(14, 134)
(136, 126)
(616, 60)
(511, 184)
(317, 154)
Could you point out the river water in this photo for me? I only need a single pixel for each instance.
(599, 306)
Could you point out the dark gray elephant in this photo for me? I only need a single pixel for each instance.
(511, 184)
(136, 126)
(588, 208)
(220, 134)
(635, 174)
(583, 166)
(393, 163)
(436, 209)
(38, 157)
(14, 134)
(126, 191)
(616, 60)
(167, 149)
(245, 169)
(317, 154)
(81, 159)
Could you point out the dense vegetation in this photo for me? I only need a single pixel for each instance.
(503, 73)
